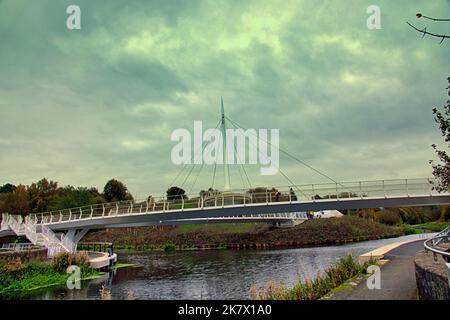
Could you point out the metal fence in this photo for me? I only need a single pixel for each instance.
(437, 244)
(19, 246)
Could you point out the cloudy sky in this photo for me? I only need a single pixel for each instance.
(83, 106)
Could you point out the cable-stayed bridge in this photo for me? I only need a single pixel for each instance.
(62, 229)
(281, 206)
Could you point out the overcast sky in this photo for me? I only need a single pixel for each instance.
(83, 106)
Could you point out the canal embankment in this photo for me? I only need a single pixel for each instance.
(397, 275)
(17, 278)
(315, 232)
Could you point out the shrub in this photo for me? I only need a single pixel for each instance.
(61, 261)
(13, 266)
(271, 290)
(410, 216)
(346, 268)
(168, 247)
(445, 213)
(65, 259)
(431, 215)
(388, 217)
(407, 230)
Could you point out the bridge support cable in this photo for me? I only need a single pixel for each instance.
(193, 166)
(282, 173)
(242, 165)
(293, 157)
(214, 173)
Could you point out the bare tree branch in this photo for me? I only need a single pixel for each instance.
(424, 32)
(419, 15)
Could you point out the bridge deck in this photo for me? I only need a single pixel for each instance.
(257, 212)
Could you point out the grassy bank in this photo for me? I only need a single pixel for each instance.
(346, 268)
(17, 277)
(310, 233)
(436, 226)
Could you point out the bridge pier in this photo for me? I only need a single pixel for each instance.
(72, 237)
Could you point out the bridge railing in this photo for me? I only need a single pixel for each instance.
(19, 246)
(240, 197)
(436, 243)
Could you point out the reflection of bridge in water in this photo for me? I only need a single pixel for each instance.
(284, 206)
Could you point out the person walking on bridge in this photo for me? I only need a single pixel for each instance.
(277, 196)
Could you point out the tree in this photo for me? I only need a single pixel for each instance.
(115, 190)
(209, 193)
(424, 30)
(70, 197)
(7, 188)
(442, 170)
(175, 193)
(41, 194)
(16, 202)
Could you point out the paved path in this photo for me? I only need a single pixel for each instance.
(398, 281)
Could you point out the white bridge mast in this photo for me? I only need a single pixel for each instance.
(227, 186)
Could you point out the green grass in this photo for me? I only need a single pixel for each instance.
(436, 226)
(407, 229)
(34, 276)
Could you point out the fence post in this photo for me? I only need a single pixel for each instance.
(360, 190)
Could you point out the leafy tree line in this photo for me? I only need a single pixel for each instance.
(46, 195)
(441, 170)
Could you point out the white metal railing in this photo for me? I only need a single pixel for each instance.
(53, 244)
(15, 223)
(441, 237)
(18, 246)
(4, 224)
(28, 228)
(340, 191)
(30, 232)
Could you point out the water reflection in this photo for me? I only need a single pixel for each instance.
(215, 274)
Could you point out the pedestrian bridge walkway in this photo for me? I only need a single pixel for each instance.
(62, 230)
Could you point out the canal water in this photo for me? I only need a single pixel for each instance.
(211, 274)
